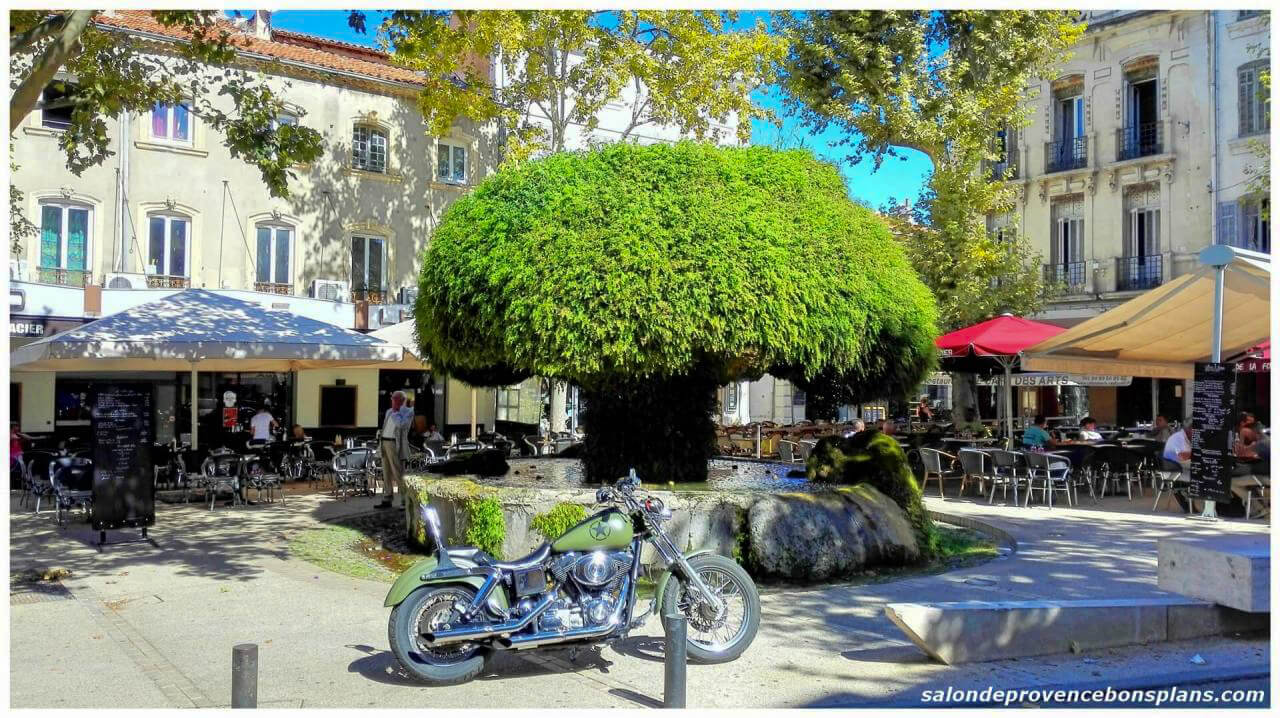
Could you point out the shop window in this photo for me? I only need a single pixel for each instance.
(509, 403)
(338, 406)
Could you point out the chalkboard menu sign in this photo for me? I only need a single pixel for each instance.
(123, 485)
(1213, 409)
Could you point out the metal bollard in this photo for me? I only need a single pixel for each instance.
(675, 660)
(244, 675)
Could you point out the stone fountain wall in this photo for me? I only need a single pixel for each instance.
(791, 536)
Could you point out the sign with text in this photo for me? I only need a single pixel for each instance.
(1213, 408)
(123, 487)
(26, 326)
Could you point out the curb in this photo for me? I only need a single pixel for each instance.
(1000, 535)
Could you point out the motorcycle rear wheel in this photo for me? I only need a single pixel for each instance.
(425, 608)
(717, 639)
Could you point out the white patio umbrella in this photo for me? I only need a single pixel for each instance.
(197, 330)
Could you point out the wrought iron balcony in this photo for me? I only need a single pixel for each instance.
(1071, 276)
(996, 170)
(370, 295)
(1139, 273)
(273, 288)
(64, 277)
(164, 281)
(1141, 140)
(1072, 154)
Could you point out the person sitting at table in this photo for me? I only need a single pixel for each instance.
(432, 434)
(1252, 451)
(1178, 447)
(1160, 429)
(971, 427)
(857, 427)
(924, 412)
(1035, 436)
(297, 434)
(887, 426)
(1089, 429)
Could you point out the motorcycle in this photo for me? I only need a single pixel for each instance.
(453, 610)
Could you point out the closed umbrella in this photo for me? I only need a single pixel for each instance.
(995, 342)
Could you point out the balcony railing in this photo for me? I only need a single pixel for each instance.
(1071, 154)
(164, 281)
(1141, 140)
(372, 296)
(1070, 276)
(273, 288)
(1138, 273)
(64, 277)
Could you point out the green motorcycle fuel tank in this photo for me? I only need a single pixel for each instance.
(607, 530)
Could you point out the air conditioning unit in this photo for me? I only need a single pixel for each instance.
(121, 280)
(408, 295)
(330, 290)
(20, 270)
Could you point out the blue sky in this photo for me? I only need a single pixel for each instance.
(896, 178)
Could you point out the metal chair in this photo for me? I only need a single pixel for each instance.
(1261, 490)
(787, 450)
(1117, 464)
(72, 480)
(351, 470)
(975, 464)
(1167, 475)
(1053, 472)
(320, 455)
(934, 469)
(36, 476)
(1010, 470)
(258, 474)
(221, 471)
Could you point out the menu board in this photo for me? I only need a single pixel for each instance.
(123, 485)
(1212, 411)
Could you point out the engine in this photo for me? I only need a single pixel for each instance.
(589, 587)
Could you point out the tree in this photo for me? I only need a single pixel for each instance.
(650, 276)
(112, 71)
(942, 83)
(685, 68)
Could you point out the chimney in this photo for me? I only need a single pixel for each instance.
(262, 24)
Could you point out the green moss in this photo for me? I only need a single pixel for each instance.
(872, 458)
(554, 523)
(486, 526)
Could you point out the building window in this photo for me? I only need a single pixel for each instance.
(451, 163)
(509, 403)
(368, 268)
(369, 149)
(64, 243)
(275, 244)
(1257, 225)
(1255, 106)
(1069, 148)
(55, 106)
(1246, 14)
(171, 122)
(169, 247)
(731, 399)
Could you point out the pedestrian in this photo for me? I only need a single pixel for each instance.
(394, 446)
(1160, 429)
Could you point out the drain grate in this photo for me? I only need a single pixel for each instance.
(22, 593)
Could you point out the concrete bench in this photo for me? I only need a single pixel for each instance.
(974, 631)
(1230, 571)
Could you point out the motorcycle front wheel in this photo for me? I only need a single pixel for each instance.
(716, 636)
(427, 608)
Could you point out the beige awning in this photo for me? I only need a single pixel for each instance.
(406, 336)
(1163, 332)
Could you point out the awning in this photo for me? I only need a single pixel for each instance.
(198, 329)
(403, 334)
(1163, 332)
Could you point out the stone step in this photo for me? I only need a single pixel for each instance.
(975, 631)
(1230, 571)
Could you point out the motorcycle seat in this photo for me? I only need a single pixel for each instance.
(482, 558)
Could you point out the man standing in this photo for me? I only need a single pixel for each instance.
(394, 445)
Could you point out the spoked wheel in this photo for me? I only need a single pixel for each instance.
(431, 608)
(717, 636)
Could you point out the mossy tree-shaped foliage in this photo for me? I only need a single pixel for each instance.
(651, 275)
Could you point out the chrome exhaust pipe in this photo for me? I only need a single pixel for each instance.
(533, 640)
(472, 633)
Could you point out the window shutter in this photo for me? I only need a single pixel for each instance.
(1227, 222)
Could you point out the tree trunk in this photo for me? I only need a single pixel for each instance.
(662, 428)
(46, 66)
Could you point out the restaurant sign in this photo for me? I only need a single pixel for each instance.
(1031, 379)
(26, 326)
